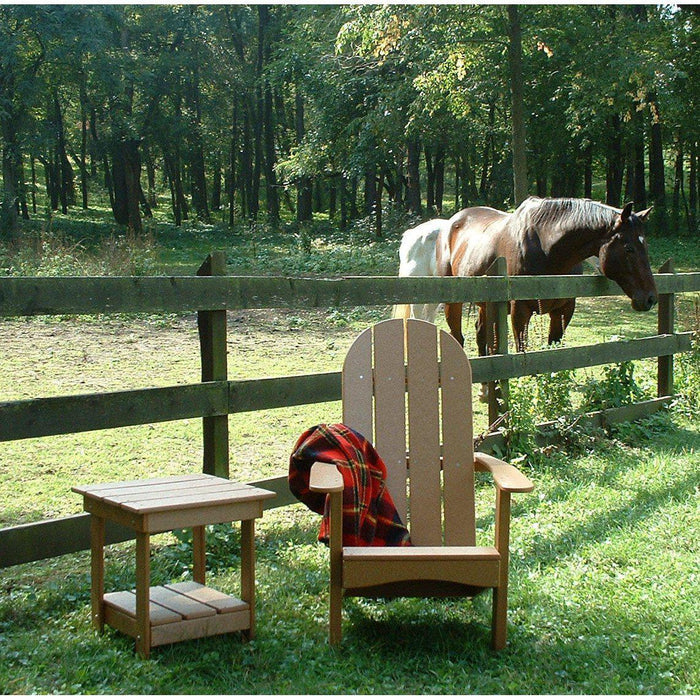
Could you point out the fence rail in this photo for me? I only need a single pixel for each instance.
(34, 296)
(59, 415)
(211, 293)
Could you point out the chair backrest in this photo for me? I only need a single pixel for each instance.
(408, 389)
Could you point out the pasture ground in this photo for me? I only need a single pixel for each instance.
(604, 577)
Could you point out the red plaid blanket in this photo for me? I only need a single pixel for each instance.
(369, 514)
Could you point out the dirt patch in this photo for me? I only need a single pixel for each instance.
(46, 356)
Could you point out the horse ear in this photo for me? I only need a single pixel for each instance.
(644, 214)
(627, 212)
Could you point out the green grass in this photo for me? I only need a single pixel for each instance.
(604, 576)
(603, 600)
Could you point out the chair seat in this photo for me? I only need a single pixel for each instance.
(375, 566)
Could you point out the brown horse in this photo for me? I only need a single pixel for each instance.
(546, 237)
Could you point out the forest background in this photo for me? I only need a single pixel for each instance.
(288, 113)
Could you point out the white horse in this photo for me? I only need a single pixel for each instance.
(417, 259)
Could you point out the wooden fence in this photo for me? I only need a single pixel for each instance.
(212, 293)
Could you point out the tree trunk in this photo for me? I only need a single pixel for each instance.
(216, 186)
(657, 180)
(693, 189)
(132, 176)
(354, 212)
(232, 176)
(487, 155)
(171, 160)
(33, 168)
(13, 196)
(198, 180)
(9, 219)
(304, 209)
(639, 189)
(24, 210)
(126, 172)
(66, 180)
(83, 145)
(273, 200)
(588, 172)
(457, 185)
(515, 63)
(439, 177)
(677, 185)
(413, 199)
(343, 203)
(121, 207)
(614, 160)
(150, 178)
(249, 190)
(430, 179)
(101, 153)
(254, 199)
(52, 179)
(174, 201)
(378, 207)
(370, 189)
(332, 196)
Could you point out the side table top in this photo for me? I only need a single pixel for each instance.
(172, 493)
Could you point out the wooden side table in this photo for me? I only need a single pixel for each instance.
(166, 614)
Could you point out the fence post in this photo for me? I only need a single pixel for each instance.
(666, 326)
(212, 343)
(497, 337)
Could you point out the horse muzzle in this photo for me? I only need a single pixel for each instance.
(644, 302)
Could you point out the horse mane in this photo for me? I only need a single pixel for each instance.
(568, 213)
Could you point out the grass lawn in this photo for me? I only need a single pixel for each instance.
(604, 599)
(605, 590)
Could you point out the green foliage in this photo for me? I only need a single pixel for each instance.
(542, 422)
(618, 387)
(547, 401)
(686, 379)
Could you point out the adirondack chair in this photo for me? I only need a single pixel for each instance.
(427, 445)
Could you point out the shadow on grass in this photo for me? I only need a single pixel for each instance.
(636, 503)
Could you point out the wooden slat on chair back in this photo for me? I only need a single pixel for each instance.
(384, 366)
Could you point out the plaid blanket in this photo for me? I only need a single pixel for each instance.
(369, 514)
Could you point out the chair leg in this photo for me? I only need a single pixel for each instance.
(336, 615)
(499, 619)
(336, 567)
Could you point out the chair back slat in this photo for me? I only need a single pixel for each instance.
(457, 443)
(408, 399)
(423, 433)
(358, 387)
(390, 408)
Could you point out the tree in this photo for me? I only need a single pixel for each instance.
(23, 53)
(517, 117)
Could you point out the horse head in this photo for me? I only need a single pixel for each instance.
(625, 260)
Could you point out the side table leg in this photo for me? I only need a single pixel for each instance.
(143, 583)
(97, 571)
(199, 552)
(248, 572)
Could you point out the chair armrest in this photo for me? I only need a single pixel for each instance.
(325, 477)
(505, 476)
